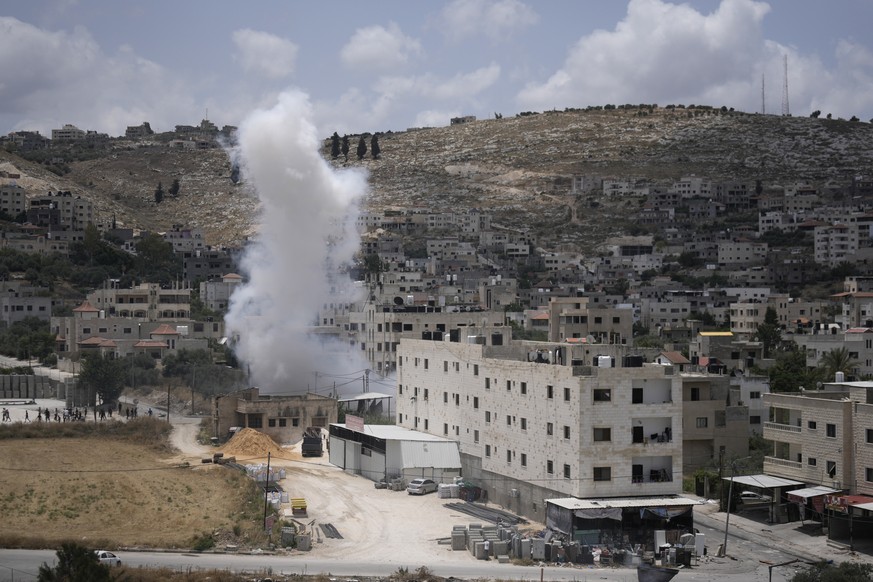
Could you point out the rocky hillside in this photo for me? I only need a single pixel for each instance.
(518, 168)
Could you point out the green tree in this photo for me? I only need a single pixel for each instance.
(790, 372)
(159, 193)
(76, 563)
(362, 148)
(838, 360)
(174, 188)
(155, 260)
(91, 242)
(104, 375)
(829, 572)
(334, 145)
(769, 333)
(345, 147)
(375, 150)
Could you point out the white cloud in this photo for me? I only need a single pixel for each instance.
(496, 19)
(48, 78)
(671, 53)
(460, 87)
(265, 54)
(379, 48)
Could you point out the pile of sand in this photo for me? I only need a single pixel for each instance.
(249, 443)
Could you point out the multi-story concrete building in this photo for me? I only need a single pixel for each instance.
(148, 301)
(13, 200)
(68, 132)
(216, 294)
(61, 211)
(19, 300)
(377, 329)
(823, 437)
(535, 420)
(575, 317)
(738, 253)
(835, 244)
(207, 264)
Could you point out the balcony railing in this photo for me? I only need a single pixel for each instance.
(784, 462)
(779, 426)
(654, 476)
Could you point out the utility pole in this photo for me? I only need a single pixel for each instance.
(267, 491)
(168, 403)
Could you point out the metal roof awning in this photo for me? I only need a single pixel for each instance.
(365, 396)
(812, 492)
(621, 502)
(763, 481)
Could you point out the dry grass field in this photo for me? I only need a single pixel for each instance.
(115, 485)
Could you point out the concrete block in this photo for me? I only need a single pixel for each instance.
(459, 541)
(504, 559)
(304, 542)
(499, 548)
(538, 549)
(524, 552)
(479, 551)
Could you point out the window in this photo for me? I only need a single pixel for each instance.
(755, 395)
(487, 383)
(832, 469)
(508, 420)
(566, 432)
(271, 422)
(754, 420)
(811, 425)
(831, 430)
(295, 422)
(425, 393)
(603, 473)
(508, 386)
(255, 421)
(523, 424)
(811, 461)
(487, 450)
(425, 363)
(508, 456)
(523, 460)
(602, 434)
(425, 424)
(487, 416)
(566, 395)
(702, 422)
(637, 396)
(550, 428)
(550, 467)
(283, 422)
(602, 395)
(475, 369)
(695, 394)
(445, 428)
(475, 436)
(566, 471)
(870, 435)
(476, 403)
(445, 366)
(524, 387)
(550, 391)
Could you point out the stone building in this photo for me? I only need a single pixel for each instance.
(282, 417)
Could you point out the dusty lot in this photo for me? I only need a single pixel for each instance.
(389, 526)
(101, 490)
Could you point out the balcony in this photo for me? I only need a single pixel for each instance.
(782, 427)
(783, 463)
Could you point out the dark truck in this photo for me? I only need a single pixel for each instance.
(312, 444)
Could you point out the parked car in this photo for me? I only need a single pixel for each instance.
(753, 497)
(107, 558)
(421, 486)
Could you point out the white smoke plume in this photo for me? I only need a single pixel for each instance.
(306, 232)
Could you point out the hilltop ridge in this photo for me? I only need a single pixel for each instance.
(517, 168)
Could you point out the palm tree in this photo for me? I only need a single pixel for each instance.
(838, 360)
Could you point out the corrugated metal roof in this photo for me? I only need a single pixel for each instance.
(812, 492)
(439, 455)
(716, 333)
(621, 502)
(764, 481)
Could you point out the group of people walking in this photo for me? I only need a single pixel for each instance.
(71, 414)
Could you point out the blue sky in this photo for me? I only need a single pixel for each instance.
(394, 64)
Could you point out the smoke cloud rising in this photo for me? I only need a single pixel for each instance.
(306, 232)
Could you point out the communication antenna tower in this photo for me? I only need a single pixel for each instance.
(763, 107)
(785, 110)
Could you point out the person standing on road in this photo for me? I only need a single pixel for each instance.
(26, 416)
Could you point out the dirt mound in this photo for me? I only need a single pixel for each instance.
(249, 443)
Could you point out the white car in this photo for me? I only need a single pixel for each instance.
(753, 497)
(421, 486)
(107, 558)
